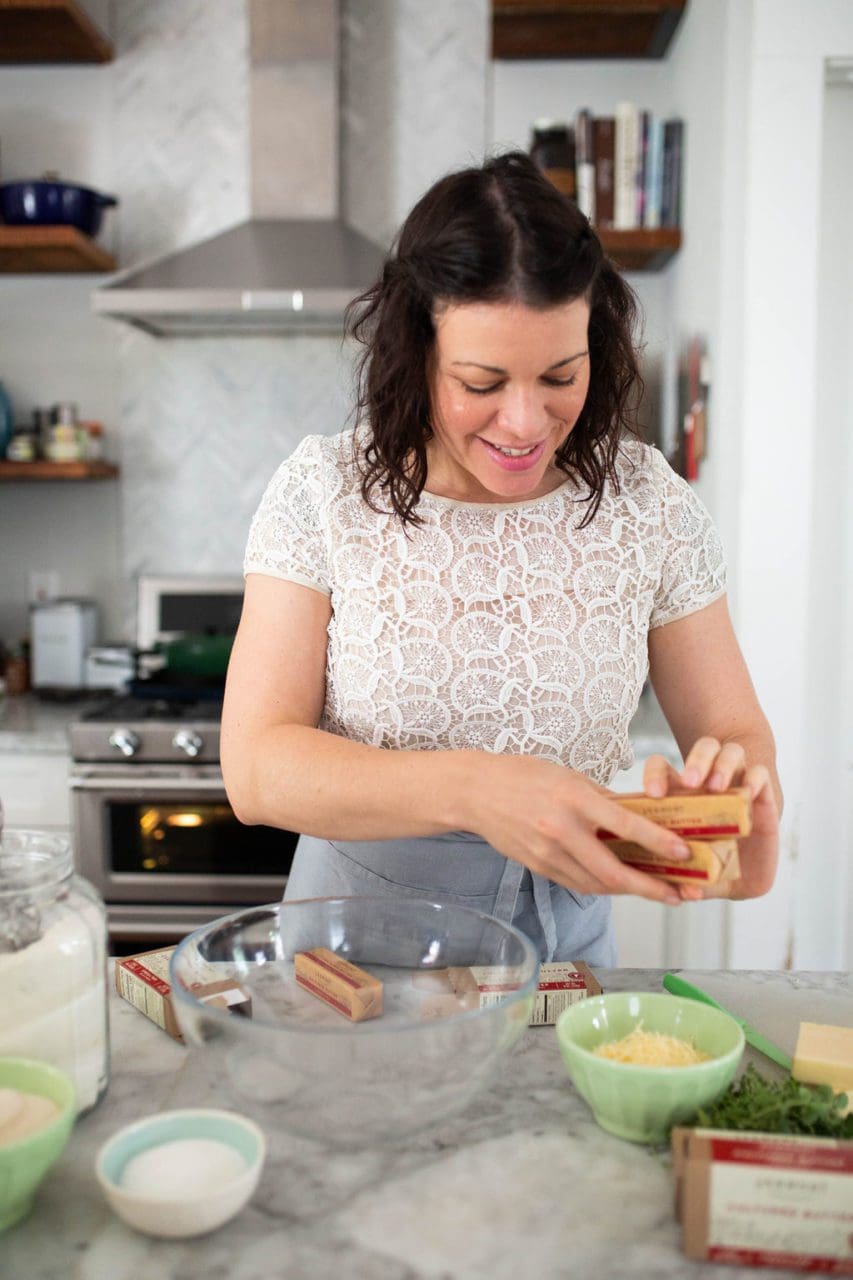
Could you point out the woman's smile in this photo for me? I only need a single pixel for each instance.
(515, 459)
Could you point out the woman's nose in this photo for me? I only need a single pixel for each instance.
(523, 414)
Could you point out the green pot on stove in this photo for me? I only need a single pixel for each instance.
(197, 655)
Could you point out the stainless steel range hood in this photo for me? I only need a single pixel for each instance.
(294, 265)
(260, 277)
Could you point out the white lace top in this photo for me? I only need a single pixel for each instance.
(502, 626)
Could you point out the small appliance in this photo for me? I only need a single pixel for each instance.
(109, 666)
(61, 632)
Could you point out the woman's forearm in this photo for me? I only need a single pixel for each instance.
(536, 812)
(306, 780)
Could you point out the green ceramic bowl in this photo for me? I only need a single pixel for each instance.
(643, 1103)
(24, 1164)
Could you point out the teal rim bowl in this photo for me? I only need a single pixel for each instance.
(24, 1164)
(643, 1103)
(200, 1209)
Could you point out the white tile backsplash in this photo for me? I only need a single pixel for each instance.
(181, 121)
(415, 77)
(199, 425)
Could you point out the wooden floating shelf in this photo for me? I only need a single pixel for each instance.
(24, 250)
(640, 250)
(584, 28)
(39, 31)
(42, 470)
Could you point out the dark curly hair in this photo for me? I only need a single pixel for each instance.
(495, 233)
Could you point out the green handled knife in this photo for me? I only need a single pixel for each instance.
(678, 987)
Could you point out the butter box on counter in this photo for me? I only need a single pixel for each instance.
(143, 980)
(765, 1199)
(560, 985)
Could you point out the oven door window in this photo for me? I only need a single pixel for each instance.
(193, 838)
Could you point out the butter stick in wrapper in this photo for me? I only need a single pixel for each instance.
(710, 861)
(343, 986)
(693, 815)
(765, 1199)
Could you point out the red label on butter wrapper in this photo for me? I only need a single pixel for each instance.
(781, 1154)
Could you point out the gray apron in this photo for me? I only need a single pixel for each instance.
(459, 867)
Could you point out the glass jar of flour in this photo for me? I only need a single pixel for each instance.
(53, 962)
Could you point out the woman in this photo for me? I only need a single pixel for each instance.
(451, 609)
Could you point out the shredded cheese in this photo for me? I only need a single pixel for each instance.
(651, 1049)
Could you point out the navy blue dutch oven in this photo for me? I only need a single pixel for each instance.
(49, 203)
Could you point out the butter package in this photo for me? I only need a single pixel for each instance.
(560, 985)
(352, 991)
(143, 980)
(710, 861)
(765, 1200)
(693, 815)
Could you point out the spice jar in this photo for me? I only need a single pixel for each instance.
(23, 446)
(94, 441)
(64, 442)
(16, 672)
(53, 958)
(553, 149)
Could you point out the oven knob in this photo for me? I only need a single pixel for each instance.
(125, 740)
(188, 741)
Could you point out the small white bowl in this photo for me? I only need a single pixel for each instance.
(199, 1211)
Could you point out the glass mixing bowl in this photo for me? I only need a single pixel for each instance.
(298, 1065)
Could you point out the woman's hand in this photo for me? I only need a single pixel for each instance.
(714, 766)
(546, 817)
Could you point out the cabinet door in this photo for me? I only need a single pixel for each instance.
(34, 790)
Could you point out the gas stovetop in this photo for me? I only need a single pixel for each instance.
(129, 728)
(127, 707)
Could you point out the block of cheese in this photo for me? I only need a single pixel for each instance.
(824, 1055)
(710, 861)
(693, 815)
(343, 986)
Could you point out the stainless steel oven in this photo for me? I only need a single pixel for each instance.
(161, 844)
(153, 829)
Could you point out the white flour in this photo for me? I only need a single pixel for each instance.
(53, 1002)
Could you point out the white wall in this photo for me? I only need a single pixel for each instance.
(828, 767)
(779, 546)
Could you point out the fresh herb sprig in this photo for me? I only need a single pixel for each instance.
(765, 1106)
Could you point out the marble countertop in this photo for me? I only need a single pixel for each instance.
(39, 726)
(523, 1182)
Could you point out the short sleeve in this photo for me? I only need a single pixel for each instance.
(692, 563)
(287, 537)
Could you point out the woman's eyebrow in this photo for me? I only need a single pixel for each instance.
(491, 368)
